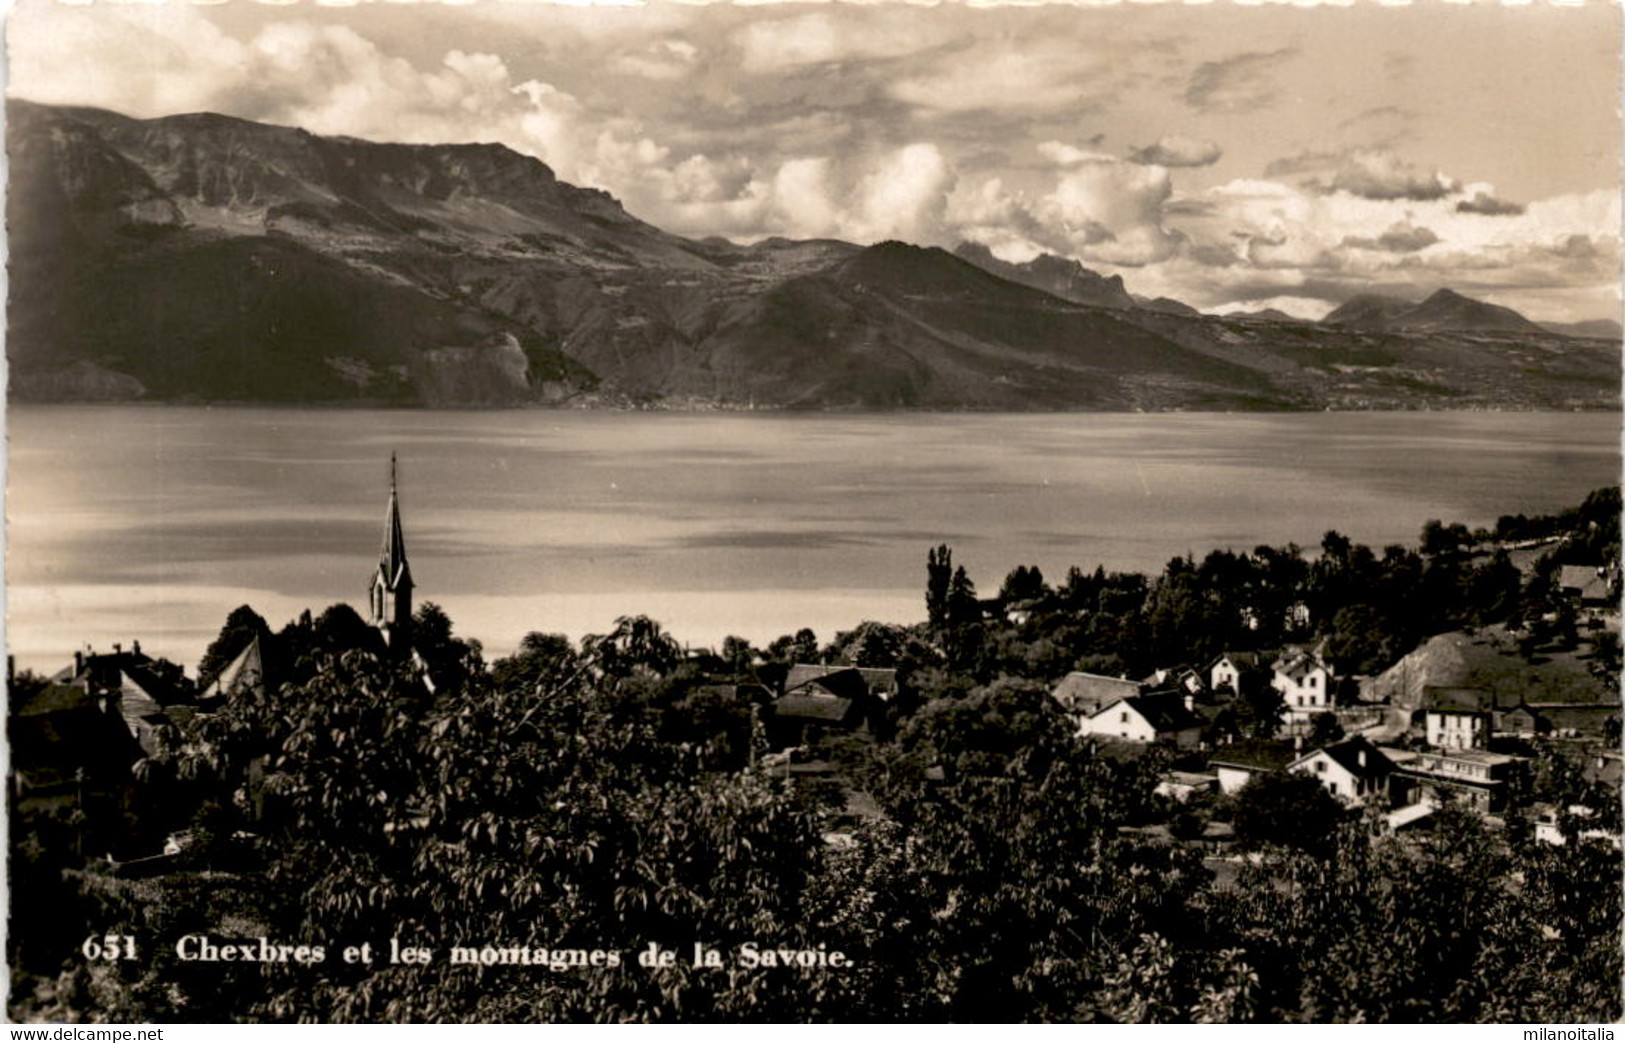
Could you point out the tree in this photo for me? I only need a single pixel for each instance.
(637, 645)
(962, 604)
(447, 658)
(541, 661)
(738, 654)
(1437, 538)
(1287, 809)
(1023, 583)
(1260, 710)
(242, 626)
(939, 570)
(1326, 730)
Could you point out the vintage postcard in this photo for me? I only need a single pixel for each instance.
(814, 512)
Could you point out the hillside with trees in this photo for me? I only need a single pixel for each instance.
(616, 792)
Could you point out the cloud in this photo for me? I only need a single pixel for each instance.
(1064, 155)
(663, 60)
(1261, 239)
(786, 44)
(1237, 83)
(1379, 174)
(1482, 202)
(1029, 76)
(1372, 173)
(1178, 151)
(1401, 237)
(905, 195)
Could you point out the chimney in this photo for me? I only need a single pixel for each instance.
(78, 662)
(136, 647)
(118, 649)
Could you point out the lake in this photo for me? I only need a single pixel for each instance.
(152, 523)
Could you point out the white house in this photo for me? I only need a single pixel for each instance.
(1083, 695)
(1240, 762)
(1304, 681)
(1227, 670)
(1146, 718)
(1353, 770)
(1457, 718)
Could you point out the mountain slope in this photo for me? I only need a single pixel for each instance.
(1065, 278)
(1444, 310)
(202, 257)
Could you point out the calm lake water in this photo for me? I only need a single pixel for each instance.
(153, 523)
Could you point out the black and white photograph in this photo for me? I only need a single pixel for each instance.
(814, 512)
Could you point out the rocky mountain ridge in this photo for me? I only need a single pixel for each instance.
(206, 258)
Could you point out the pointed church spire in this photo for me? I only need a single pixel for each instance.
(392, 556)
(392, 583)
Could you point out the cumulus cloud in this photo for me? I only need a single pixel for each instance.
(1176, 151)
(1373, 173)
(1482, 202)
(1401, 237)
(1240, 82)
(1304, 241)
(1379, 174)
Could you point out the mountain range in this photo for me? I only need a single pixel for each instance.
(207, 258)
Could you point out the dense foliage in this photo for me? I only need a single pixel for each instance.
(611, 795)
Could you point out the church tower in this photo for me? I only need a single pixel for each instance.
(392, 583)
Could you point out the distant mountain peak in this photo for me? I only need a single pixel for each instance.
(1063, 277)
(1444, 309)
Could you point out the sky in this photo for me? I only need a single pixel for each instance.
(1232, 156)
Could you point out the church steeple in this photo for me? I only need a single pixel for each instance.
(392, 582)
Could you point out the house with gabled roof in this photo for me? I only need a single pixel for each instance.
(1304, 680)
(1586, 583)
(1353, 771)
(132, 685)
(1456, 717)
(1083, 694)
(245, 673)
(1231, 669)
(1240, 762)
(847, 682)
(1521, 721)
(1162, 717)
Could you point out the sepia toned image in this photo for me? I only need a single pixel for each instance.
(814, 512)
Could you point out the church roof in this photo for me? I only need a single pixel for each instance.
(392, 555)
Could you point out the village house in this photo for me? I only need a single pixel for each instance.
(1522, 722)
(819, 698)
(1181, 679)
(1457, 718)
(1082, 695)
(1305, 682)
(1240, 762)
(1231, 671)
(245, 673)
(1477, 779)
(848, 682)
(1182, 785)
(147, 694)
(1353, 771)
(1163, 717)
(1587, 584)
